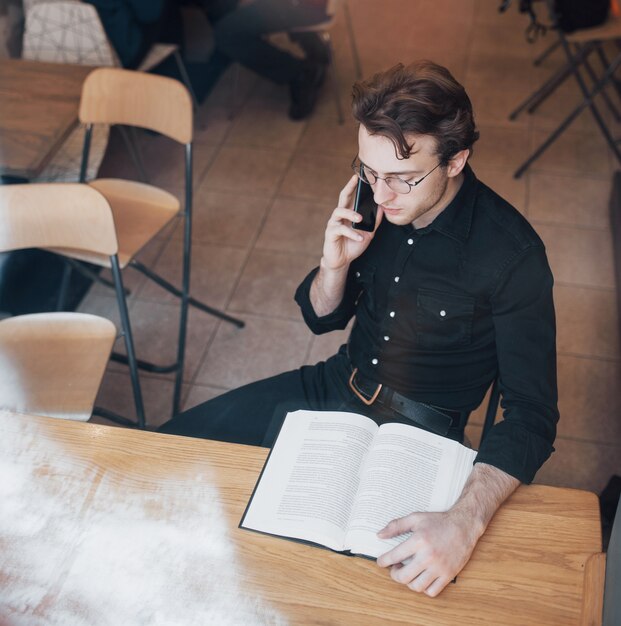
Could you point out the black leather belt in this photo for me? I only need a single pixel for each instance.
(420, 413)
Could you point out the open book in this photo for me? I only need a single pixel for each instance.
(336, 479)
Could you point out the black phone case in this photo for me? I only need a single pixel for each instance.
(365, 205)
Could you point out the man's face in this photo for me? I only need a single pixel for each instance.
(425, 201)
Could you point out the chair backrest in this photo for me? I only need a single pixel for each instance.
(117, 96)
(56, 215)
(612, 601)
(66, 31)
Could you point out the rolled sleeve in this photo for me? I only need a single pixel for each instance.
(524, 322)
(337, 320)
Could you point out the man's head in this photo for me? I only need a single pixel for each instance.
(420, 99)
(415, 121)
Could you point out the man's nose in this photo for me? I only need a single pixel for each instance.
(382, 193)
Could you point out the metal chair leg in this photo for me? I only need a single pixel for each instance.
(129, 342)
(352, 41)
(176, 292)
(546, 53)
(61, 300)
(186, 78)
(587, 102)
(334, 79)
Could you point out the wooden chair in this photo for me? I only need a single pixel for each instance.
(53, 363)
(163, 105)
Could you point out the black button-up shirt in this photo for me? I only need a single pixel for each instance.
(441, 311)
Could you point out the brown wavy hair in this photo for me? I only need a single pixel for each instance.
(422, 98)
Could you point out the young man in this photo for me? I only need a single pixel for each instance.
(450, 291)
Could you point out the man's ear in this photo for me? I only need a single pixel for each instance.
(457, 163)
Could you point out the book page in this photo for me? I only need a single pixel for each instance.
(407, 470)
(310, 480)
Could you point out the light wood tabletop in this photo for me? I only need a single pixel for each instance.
(103, 525)
(39, 105)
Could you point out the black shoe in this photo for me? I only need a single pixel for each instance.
(304, 91)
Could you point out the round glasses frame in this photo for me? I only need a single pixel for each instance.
(398, 185)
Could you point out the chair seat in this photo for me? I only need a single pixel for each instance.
(140, 212)
(52, 364)
(610, 29)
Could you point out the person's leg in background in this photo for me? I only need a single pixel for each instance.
(240, 36)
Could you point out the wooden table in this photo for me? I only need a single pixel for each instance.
(38, 109)
(101, 525)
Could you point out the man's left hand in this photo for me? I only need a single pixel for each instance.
(437, 550)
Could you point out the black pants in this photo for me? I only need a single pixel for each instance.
(254, 413)
(240, 37)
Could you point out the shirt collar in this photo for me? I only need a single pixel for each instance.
(456, 218)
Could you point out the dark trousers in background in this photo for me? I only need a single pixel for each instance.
(240, 37)
(254, 413)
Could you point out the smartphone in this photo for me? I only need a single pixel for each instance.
(364, 205)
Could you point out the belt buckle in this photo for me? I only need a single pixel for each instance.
(367, 401)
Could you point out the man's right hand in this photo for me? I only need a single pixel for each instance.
(342, 244)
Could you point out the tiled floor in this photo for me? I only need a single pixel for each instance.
(264, 187)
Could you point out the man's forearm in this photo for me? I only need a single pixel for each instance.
(327, 290)
(486, 489)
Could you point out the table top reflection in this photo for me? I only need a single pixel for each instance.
(39, 108)
(103, 525)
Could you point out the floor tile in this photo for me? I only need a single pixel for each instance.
(260, 127)
(315, 178)
(165, 161)
(589, 400)
(200, 393)
(155, 329)
(587, 322)
(569, 200)
(268, 283)
(579, 256)
(500, 147)
(226, 218)
(116, 395)
(324, 135)
(492, 106)
(212, 277)
(580, 465)
(574, 152)
(263, 348)
(327, 345)
(503, 183)
(295, 226)
(247, 170)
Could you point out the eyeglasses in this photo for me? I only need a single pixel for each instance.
(398, 185)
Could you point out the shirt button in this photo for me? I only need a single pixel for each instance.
(392, 314)
(396, 279)
(374, 361)
(410, 242)
(386, 338)
(442, 313)
(357, 274)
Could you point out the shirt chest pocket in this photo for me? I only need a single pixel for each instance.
(443, 320)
